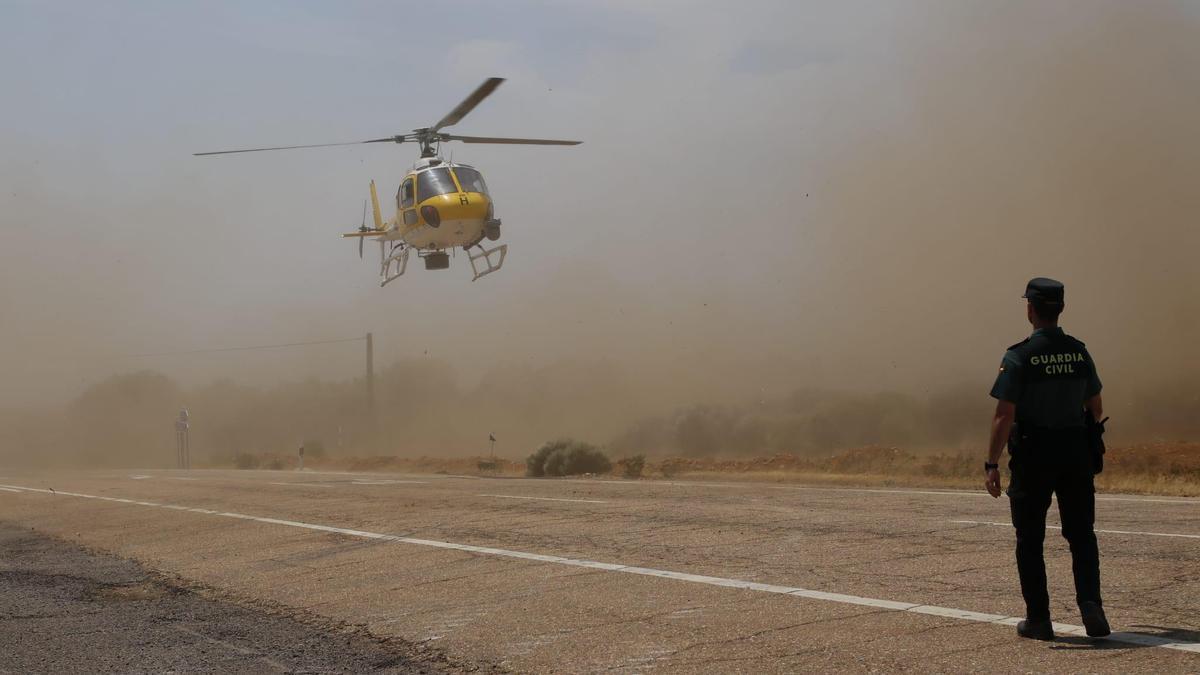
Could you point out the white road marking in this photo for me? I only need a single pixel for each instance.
(970, 493)
(315, 472)
(10, 490)
(688, 483)
(886, 491)
(1059, 527)
(139, 477)
(752, 484)
(831, 488)
(549, 499)
(932, 610)
(622, 481)
(1147, 500)
(316, 485)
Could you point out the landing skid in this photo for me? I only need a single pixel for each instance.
(393, 262)
(391, 267)
(485, 254)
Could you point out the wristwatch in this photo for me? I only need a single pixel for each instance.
(988, 466)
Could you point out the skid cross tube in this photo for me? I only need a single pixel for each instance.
(397, 260)
(485, 254)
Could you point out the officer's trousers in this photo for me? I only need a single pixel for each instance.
(1058, 464)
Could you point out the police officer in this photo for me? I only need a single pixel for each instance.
(1046, 386)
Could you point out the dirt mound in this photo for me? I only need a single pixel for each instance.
(1156, 458)
(449, 465)
(1171, 468)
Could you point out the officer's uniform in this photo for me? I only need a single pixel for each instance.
(1049, 376)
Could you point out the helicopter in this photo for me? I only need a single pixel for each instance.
(440, 205)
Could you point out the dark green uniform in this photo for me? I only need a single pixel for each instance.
(1049, 377)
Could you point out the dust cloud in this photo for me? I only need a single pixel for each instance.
(797, 234)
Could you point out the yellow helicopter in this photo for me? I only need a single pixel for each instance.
(440, 205)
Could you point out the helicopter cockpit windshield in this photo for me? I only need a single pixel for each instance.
(470, 180)
(434, 182)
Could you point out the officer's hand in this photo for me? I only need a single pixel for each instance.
(992, 482)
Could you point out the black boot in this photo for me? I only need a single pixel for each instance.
(1093, 619)
(1037, 629)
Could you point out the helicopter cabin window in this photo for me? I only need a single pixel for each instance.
(435, 182)
(405, 197)
(470, 180)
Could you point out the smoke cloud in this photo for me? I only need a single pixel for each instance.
(784, 224)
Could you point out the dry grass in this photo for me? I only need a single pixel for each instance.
(1151, 468)
(1148, 468)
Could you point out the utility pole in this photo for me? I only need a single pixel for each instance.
(371, 386)
(182, 452)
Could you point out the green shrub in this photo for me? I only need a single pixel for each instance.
(535, 465)
(245, 460)
(632, 467)
(671, 466)
(567, 457)
(314, 449)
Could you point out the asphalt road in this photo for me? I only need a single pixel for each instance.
(634, 576)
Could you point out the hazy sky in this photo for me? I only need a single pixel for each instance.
(769, 194)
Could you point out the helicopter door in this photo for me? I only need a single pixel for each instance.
(406, 199)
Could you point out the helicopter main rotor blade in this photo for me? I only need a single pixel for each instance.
(390, 139)
(462, 109)
(507, 141)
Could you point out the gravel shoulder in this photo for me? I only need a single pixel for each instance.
(64, 609)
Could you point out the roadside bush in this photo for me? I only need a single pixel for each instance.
(245, 460)
(632, 467)
(535, 465)
(314, 449)
(671, 466)
(567, 457)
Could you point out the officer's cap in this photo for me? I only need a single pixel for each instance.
(1044, 291)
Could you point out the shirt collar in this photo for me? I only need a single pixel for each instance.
(1052, 330)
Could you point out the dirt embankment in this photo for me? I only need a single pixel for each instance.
(1151, 468)
(1165, 468)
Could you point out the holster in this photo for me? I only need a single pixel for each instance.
(1029, 444)
(1095, 440)
(1018, 444)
